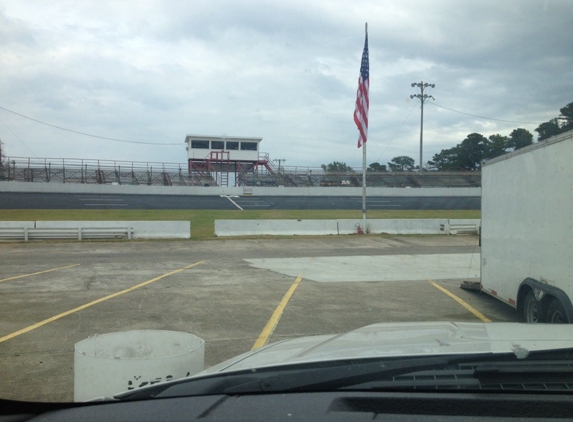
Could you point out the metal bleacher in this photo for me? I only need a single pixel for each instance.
(100, 172)
(170, 174)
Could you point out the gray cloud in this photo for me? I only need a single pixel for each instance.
(153, 71)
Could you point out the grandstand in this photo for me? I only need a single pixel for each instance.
(109, 172)
(100, 172)
(217, 161)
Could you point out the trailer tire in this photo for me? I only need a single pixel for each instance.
(532, 309)
(556, 313)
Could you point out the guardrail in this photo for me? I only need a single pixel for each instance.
(92, 229)
(80, 233)
(455, 228)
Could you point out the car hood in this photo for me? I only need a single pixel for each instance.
(403, 340)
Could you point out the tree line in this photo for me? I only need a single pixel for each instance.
(476, 148)
(469, 154)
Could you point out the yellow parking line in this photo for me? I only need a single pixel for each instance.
(95, 302)
(276, 316)
(461, 302)
(39, 272)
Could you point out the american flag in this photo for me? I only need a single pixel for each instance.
(362, 101)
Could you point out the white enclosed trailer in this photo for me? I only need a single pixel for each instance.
(527, 229)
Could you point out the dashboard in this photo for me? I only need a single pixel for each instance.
(321, 406)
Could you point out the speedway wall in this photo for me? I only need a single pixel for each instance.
(239, 191)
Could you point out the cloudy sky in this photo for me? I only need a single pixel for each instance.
(151, 72)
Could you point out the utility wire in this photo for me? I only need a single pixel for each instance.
(88, 134)
(395, 134)
(480, 117)
(18, 138)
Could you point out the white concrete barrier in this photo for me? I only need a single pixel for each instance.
(71, 188)
(393, 226)
(216, 191)
(371, 192)
(17, 224)
(275, 227)
(333, 227)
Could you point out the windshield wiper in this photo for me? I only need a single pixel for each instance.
(303, 377)
(308, 377)
(470, 371)
(336, 377)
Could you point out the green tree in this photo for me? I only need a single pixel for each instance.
(566, 117)
(548, 129)
(337, 167)
(557, 125)
(467, 155)
(472, 151)
(376, 167)
(446, 160)
(519, 138)
(496, 146)
(401, 163)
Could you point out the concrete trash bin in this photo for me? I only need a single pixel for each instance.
(108, 364)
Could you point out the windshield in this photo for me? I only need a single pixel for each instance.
(182, 183)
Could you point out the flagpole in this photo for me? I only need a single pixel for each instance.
(364, 188)
(364, 168)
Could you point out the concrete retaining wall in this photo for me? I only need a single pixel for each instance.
(18, 224)
(394, 226)
(141, 229)
(216, 191)
(370, 192)
(275, 227)
(72, 188)
(333, 227)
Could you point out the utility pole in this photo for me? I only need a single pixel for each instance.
(280, 160)
(423, 97)
(1, 154)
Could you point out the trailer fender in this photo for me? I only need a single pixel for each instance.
(544, 294)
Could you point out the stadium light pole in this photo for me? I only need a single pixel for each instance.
(423, 97)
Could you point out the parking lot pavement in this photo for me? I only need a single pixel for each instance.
(331, 269)
(224, 291)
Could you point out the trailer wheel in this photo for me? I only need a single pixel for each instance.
(556, 313)
(532, 309)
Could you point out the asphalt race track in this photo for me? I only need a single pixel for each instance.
(9, 200)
